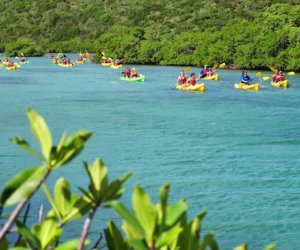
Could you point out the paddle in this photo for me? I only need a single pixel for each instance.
(187, 69)
(222, 65)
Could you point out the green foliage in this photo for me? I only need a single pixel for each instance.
(25, 46)
(161, 226)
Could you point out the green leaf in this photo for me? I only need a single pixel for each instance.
(29, 236)
(145, 212)
(168, 237)
(241, 247)
(270, 246)
(99, 179)
(72, 147)
(78, 209)
(24, 145)
(62, 195)
(132, 232)
(115, 190)
(70, 245)
(209, 241)
(125, 214)
(4, 244)
(49, 233)
(52, 202)
(41, 132)
(19, 248)
(22, 185)
(138, 244)
(174, 212)
(114, 237)
(164, 191)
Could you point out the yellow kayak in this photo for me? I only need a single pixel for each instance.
(5, 62)
(106, 64)
(214, 78)
(281, 84)
(66, 65)
(11, 68)
(116, 66)
(255, 86)
(198, 87)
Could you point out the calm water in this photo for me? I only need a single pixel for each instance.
(233, 153)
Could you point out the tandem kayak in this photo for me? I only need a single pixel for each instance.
(198, 87)
(106, 64)
(11, 67)
(140, 78)
(281, 84)
(116, 66)
(214, 78)
(66, 65)
(244, 86)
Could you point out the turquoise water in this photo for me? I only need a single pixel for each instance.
(233, 153)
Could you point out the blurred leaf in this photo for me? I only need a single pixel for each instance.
(114, 237)
(22, 185)
(29, 236)
(210, 242)
(144, 211)
(4, 244)
(174, 212)
(49, 233)
(24, 144)
(52, 201)
(241, 247)
(41, 132)
(70, 245)
(125, 214)
(167, 237)
(271, 246)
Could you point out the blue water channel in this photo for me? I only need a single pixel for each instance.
(230, 152)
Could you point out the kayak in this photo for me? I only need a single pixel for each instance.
(66, 65)
(5, 62)
(106, 64)
(214, 78)
(54, 62)
(140, 78)
(244, 86)
(198, 87)
(27, 62)
(11, 68)
(281, 84)
(116, 66)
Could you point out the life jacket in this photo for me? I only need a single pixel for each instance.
(192, 80)
(182, 80)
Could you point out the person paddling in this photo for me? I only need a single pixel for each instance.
(192, 80)
(181, 78)
(203, 72)
(245, 78)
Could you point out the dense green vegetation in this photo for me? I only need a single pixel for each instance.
(164, 226)
(246, 33)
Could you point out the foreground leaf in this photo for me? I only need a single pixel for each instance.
(22, 185)
(41, 132)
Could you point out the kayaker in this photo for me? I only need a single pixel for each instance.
(23, 59)
(275, 76)
(280, 76)
(134, 73)
(210, 72)
(192, 80)
(10, 64)
(245, 78)
(126, 73)
(181, 78)
(203, 72)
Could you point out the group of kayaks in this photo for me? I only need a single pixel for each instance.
(255, 86)
(10, 65)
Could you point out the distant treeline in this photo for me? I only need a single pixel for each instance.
(246, 33)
